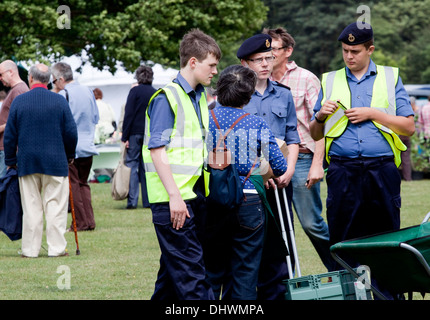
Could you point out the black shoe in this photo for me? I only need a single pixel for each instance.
(131, 207)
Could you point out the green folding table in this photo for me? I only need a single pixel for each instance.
(398, 260)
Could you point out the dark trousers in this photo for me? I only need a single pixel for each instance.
(134, 160)
(182, 271)
(78, 174)
(363, 198)
(233, 247)
(273, 269)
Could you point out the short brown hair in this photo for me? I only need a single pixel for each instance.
(368, 44)
(281, 34)
(197, 44)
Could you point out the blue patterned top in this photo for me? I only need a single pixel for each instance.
(251, 137)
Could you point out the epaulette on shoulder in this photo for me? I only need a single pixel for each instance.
(282, 85)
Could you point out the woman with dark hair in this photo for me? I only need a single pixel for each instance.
(144, 75)
(233, 244)
(133, 129)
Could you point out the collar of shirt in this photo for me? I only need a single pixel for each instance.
(371, 70)
(194, 95)
(186, 86)
(291, 65)
(38, 85)
(270, 88)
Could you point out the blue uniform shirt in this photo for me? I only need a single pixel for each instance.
(162, 116)
(276, 107)
(364, 139)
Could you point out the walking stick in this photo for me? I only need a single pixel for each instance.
(284, 234)
(292, 237)
(72, 206)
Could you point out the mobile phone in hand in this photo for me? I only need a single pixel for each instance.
(341, 105)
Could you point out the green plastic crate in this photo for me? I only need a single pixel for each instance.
(336, 285)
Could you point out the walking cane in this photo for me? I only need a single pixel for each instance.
(284, 233)
(72, 206)
(292, 237)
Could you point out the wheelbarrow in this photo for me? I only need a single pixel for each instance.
(397, 260)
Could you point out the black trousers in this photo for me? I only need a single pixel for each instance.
(363, 198)
(274, 268)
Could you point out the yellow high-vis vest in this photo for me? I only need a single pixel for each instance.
(335, 87)
(186, 152)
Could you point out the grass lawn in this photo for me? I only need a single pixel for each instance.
(119, 259)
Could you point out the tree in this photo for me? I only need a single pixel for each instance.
(401, 33)
(124, 31)
(315, 26)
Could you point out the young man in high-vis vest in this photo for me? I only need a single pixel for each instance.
(361, 110)
(174, 154)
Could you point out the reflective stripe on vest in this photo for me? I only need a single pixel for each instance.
(335, 87)
(186, 152)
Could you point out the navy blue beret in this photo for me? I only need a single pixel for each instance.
(255, 44)
(356, 33)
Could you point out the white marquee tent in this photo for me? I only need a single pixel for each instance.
(115, 87)
(115, 90)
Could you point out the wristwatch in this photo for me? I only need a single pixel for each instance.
(318, 120)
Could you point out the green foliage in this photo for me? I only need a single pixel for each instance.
(401, 32)
(148, 32)
(136, 31)
(130, 32)
(27, 28)
(420, 152)
(315, 26)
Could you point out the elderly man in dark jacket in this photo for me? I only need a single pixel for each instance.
(42, 127)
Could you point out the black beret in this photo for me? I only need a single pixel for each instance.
(356, 33)
(255, 44)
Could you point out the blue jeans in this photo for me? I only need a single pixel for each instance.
(134, 161)
(233, 248)
(308, 206)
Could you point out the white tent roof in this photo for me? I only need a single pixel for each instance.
(93, 77)
(115, 87)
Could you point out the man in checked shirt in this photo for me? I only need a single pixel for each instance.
(309, 171)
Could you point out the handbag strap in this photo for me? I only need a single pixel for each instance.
(223, 137)
(123, 151)
(250, 171)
